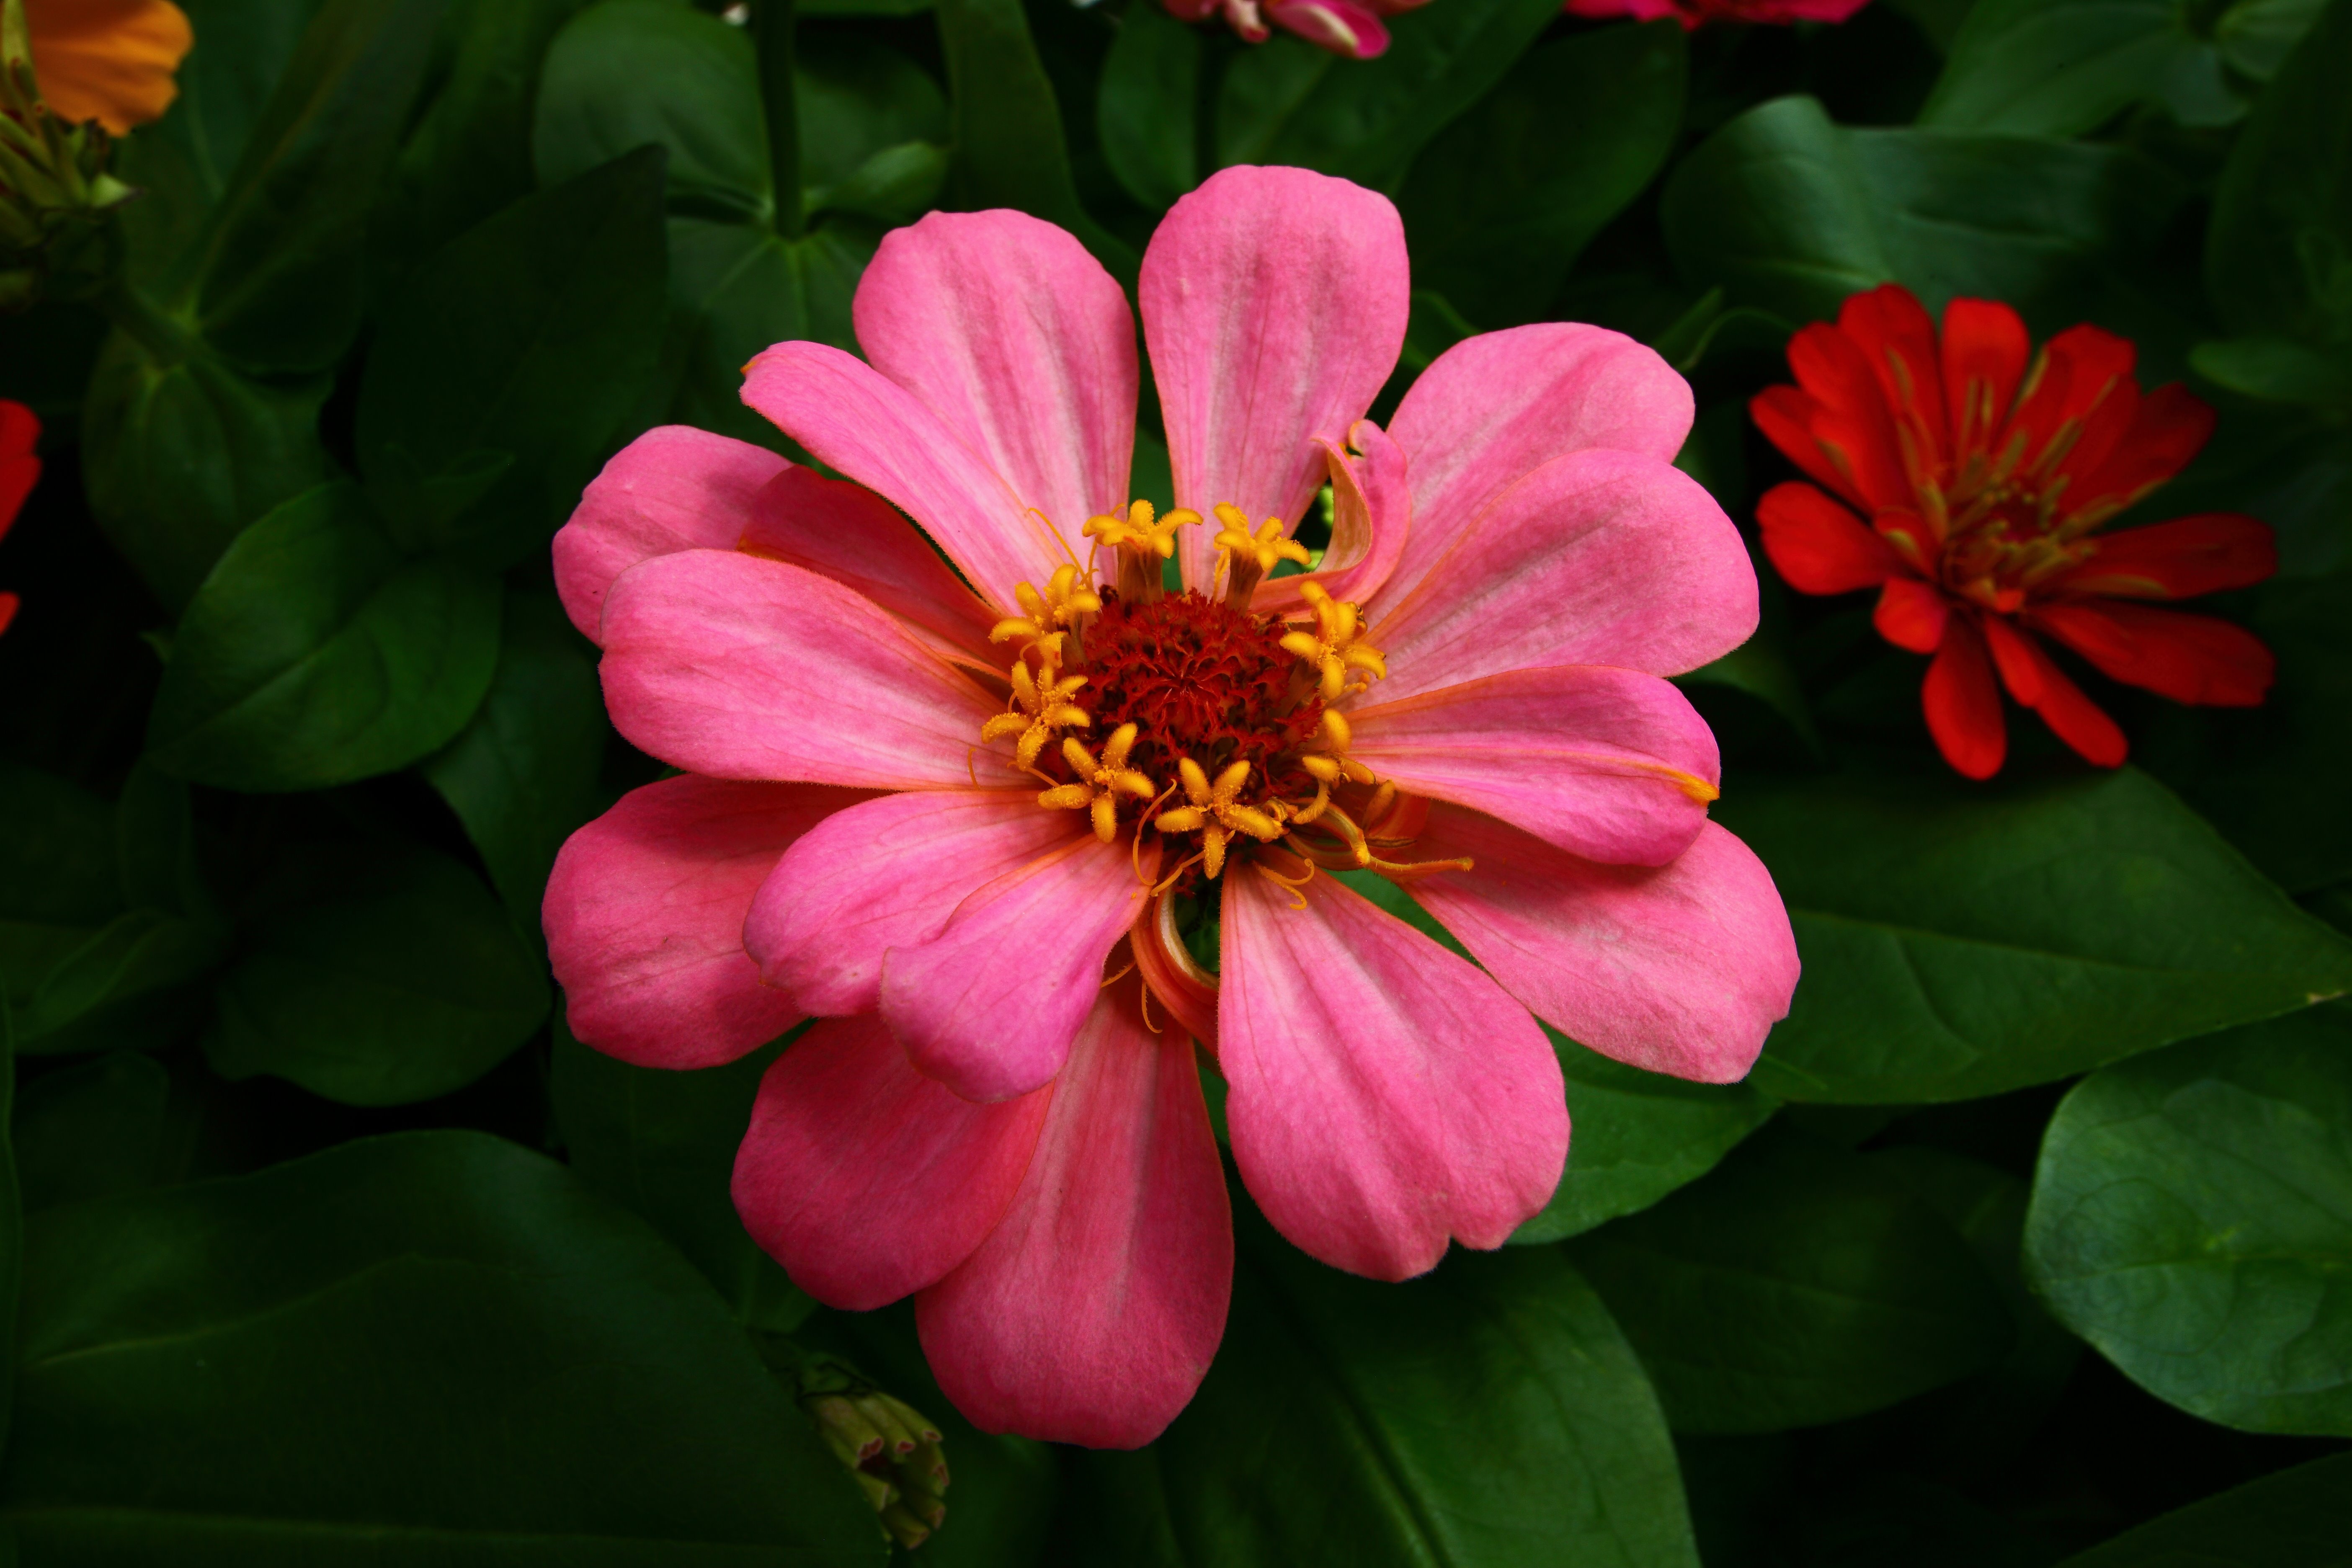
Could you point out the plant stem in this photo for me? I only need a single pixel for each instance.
(772, 25)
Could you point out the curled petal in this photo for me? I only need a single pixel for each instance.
(1346, 29)
(644, 918)
(1092, 1311)
(1372, 520)
(673, 488)
(1682, 968)
(868, 1181)
(1383, 1095)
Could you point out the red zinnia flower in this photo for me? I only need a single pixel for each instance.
(19, 430)
(1984, 479)
(1691, 13)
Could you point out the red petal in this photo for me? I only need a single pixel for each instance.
(2190, 659)
(8, 603)
(1786, 416)
(20, 428)
(1963, 706)
(2035, 681)
(1820, 546)
(2175, 560)
(1911, 615)
(1854, 422)
(2078, 370)
(2169, 428)
(1985, 349)
(1897, 337)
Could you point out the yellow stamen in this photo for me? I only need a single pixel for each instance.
(1043, 706)
(1216, 813)
(1048, 617)
(1139, 531)
(1260, 550)
(1101, 783)
(1337, 645)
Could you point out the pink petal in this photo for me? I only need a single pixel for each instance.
(1384, 1094)
(644, 918)
(888, 874)
(869, 428)
(1344, 27)
(1611, 765)
(673, 488)
(867, 1180)
(1597, 557)
(731, 665)
(1501, 405)
(1273, 304)
(1091, 1313)
(1681, 968)
(989, 1006)
(848, 533)
(1020, 341)
(1372, 514)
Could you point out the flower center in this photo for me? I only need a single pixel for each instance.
(1190, 715)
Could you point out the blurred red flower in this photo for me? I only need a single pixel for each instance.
(1691, 13)
(1352, 29)
(19, 430)
(1984, 471)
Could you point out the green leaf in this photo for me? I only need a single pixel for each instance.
(1286, 101)
(859, 100)
(2256, 36)
(2302, 1516)
(531, 335)
(1501, 204)
(315, 654)
(1148, 113)
(2278, 253)
(663, 1144)
(433, 1348)
(2267, 776)
(1636, 1137)
(2276, 370)
(2059, 68)
(90, 1129)
(471, 155)
(1961, 941)
(1798, 1284)
(1005, 127)
(736, 288)
(1488, 1414)
(2192, 1218)
(181, 452)
(1790, 213)
(275, 282)
(522, 775)
(376, 976)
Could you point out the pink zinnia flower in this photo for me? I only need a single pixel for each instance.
(1693, 13)
(964, 815)
(1350, 27)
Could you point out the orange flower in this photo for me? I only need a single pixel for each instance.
(108, 60)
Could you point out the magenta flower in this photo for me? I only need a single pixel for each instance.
(1351, 28)
(961, 816)
(1695, 12)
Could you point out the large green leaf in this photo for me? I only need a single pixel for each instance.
(1959, 941)
(1147, 114)
(1488, 1414)
(2278, 253)
(508, 359)
(631, 73)
(663, 1144)
(316, 655)
(90, 1129)
(1636, 1136)
(2301, 1517)
(377, 976)
(1286, 101)
(12, 1228)
(1792, 212)
(1498, 206)
(2192, 1218)
(181, 452)
(522, 774)
(2059, 68)
(1006, 128)
(1798, 1284)
(434, 1348)
(275, 282)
